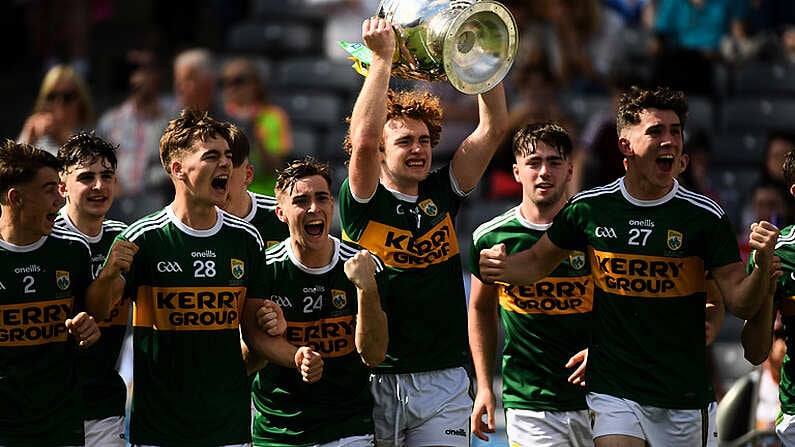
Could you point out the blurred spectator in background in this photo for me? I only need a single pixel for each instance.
(267, 125)
(689, 33)
(779, 143)
(136, 125)
(63, 106)
(698, 146)
(195, 76)
(63, 27)
(768, 201)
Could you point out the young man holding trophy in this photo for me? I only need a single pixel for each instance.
(393, 205)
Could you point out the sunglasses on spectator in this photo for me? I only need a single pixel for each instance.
(67, 96)
(234, 81)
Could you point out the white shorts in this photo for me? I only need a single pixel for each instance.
(351, 441)
(785, 429)
(712, 429)
(660, 427)
(420, 409)
(105, 432)
(548, 428)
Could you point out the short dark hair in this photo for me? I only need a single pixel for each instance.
(526, 138)
(19, 164)
(239, 144)
(85, 148)
(635, 100)
(298, 169)
(191, 126)
(789, 168)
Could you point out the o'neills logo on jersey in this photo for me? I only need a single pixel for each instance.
(238, 268)
(550, 296)
(188, 308)
(647, 276)
(400, 249)
(34, 323)
(62, 279)
(331, 337)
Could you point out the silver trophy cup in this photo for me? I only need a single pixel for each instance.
(470, 43)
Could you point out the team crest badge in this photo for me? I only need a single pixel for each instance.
(674, 240)
(428, 207)
(238, 268)
(339, 298)
(577, 259)
(62, 279)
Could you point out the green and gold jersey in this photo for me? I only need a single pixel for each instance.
(415, 238)
(263, 217)
(188, 289)
(545, 323)
(320, 306)
(104, 391)
(648, 260)
(41, 285)
(785, 293)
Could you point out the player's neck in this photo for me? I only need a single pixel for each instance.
(196, 215)
(313, 257)
(540, 214)
(240, 206)
(643, 189)
(88, 225)
(14, 231)
(409, 187)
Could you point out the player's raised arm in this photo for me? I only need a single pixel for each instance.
(370, 110)
(372, 336)
(744, 294)
(473, 155)
(108, 287)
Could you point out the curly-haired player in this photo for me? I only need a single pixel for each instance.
(393, 205)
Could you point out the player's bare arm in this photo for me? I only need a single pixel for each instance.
(483, 324)
(276, 348)
(371, 323)
(524, 267)
(473, 155)
(108, 287)
(369, 111)
(743, 294)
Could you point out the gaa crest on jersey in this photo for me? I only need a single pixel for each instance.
(238, 268)
(428, 207)
(674, 240)
(338, 298)
(577, 259)
(62, 279)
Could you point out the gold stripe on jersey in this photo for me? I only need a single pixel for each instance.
(400, 249)
(188, 308)
(647, 276)
(119, 315)
(34, 323)
(550, 296)
(331, 337)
